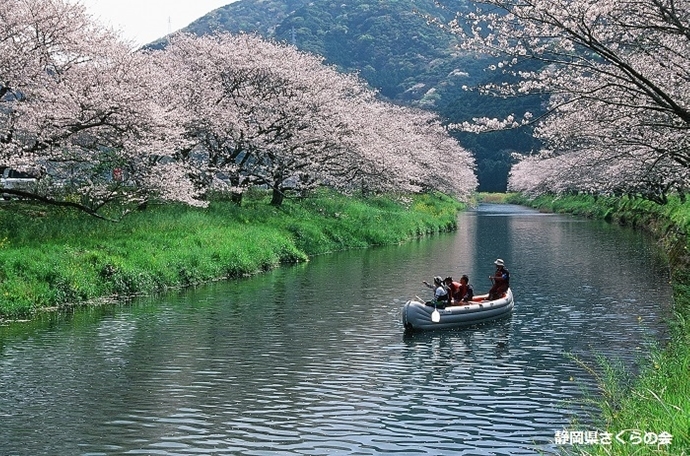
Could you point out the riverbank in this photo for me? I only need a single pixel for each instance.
(53, 259)
(657, 403)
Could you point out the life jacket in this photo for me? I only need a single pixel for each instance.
(455, 290)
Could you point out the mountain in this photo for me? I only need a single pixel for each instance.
(394, 47)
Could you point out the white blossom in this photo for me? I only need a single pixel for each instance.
(618, 77)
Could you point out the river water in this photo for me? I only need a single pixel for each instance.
(312, 359)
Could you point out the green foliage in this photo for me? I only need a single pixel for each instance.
(58, 258)
(389, 41)
(657, 401)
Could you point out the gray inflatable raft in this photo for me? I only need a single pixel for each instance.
(418, 315)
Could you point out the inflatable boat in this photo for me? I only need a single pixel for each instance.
(417, 315)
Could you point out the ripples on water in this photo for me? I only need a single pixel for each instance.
(313, 359)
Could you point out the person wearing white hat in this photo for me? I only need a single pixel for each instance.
(500, 279)
(440, 291)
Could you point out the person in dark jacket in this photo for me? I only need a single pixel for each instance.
(500, 279)
(466, 292)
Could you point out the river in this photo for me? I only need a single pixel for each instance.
(312, 358)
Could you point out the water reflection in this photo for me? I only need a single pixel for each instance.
(313, 359)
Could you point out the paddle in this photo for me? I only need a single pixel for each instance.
(435, 316)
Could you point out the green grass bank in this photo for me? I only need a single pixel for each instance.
(658, 399)
(56, 259)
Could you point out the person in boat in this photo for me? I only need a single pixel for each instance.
(466, 292)
(440, 291)
(453, 287)
(500, 279)
(460, 292)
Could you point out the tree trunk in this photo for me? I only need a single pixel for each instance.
(236, 198)
(277, 198)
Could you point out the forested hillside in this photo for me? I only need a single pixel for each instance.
(392, 45)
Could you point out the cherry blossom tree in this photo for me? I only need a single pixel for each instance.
(78, 103)
(618, 76)
(109, 126)
(408, 149)
(261, 113)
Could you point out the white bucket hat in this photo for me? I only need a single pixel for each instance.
(499, 262)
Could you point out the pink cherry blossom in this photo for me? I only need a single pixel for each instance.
(619, 86)
(106, 124)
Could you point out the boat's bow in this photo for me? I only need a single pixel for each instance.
(415, 313)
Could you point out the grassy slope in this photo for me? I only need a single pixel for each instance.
(50, 258)
(659, 400)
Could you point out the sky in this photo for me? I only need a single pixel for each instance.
(144, 21)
